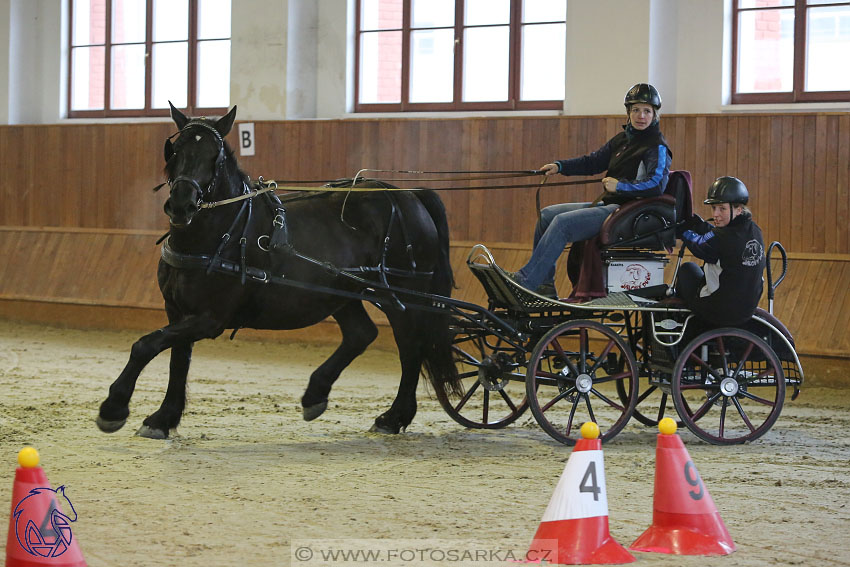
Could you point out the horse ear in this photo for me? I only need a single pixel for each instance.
(225, 123)
(179, 118)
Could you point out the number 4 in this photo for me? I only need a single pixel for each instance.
(588, 481)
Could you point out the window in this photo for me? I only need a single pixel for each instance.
(791, 50)
(460, 54)
(130, 57)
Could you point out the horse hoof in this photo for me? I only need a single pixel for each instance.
(109, 425)
(312, 412)
(381, 429)
(151, 433)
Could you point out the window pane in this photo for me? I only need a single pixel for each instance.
(828, 49)
(170, 74)
(128, 77)
(432, 65)
(380, 67)
(543, 62)
(485, 64)
(128, 21)
(380, 14)
(483, 12)
(811, 2)
(214, 19)
(214, 74)
(544, 11)
(432, 13)
(87, 68)
(765, 3)
(766, 51)
(89, 22)
(170, 20)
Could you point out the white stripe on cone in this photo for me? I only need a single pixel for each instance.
(581, 490)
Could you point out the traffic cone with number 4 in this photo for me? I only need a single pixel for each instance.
(574, 528)
(685, 520)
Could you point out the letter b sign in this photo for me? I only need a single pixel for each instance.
(246, 139)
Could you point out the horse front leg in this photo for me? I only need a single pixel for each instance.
(115, 409)
(358, 332)
(403, 408)
(167, 417)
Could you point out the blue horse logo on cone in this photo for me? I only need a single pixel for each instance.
(48, 536)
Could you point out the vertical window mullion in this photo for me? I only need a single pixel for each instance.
(459, 47)
(148, 57)
(192, 54)
(107, 59)
(514, 52)
(406, 22)
(800, 16)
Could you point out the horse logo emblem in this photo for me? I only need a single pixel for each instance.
(635, 276)
(48, 535)
(753, 253)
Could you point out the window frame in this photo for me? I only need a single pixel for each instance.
(147, 111)
(797, 93)
(515, 28)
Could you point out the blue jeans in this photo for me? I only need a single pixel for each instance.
(558, 226)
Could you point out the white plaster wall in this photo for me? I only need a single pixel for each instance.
(301, 59)
(258, 59)
(335, 58)
(607, 52)
(700, 74)
(664, 51)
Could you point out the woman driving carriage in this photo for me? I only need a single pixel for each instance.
(726, 291)
(637, 161)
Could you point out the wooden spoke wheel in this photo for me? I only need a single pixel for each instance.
(728, 386)
(492, 376)
(574, 375)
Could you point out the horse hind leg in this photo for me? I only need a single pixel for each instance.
(358, 332)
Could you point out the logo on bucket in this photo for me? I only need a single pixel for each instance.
(635, 276)
(40, 533)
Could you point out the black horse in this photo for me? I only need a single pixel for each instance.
(223, 265)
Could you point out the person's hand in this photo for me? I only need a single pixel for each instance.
(549, 169)
(688, 224)
(610, 184)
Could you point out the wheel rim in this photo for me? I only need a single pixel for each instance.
(492, 376)
(574, 375)
(728, 386)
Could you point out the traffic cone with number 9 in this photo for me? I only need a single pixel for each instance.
(685, 520)
(574, 528)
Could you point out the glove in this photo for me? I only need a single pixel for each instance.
(688, 224)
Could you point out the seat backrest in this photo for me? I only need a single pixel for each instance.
(648, 223)
(679, 187)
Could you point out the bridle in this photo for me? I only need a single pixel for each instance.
(205, 192)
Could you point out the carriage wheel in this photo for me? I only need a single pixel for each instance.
(728, 386)
(574, 375)
(653, 404)
(492, 375)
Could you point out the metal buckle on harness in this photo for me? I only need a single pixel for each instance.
(279, 218)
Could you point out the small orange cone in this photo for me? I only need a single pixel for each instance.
(685, 520)
(574, 528)
(39, 532)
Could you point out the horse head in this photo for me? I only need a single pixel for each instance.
(194, 163)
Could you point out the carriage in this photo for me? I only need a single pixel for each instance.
(631, 352)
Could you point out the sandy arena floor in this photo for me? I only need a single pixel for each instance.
(247, 482)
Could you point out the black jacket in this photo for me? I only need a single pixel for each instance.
(734, 263)
(640, 159)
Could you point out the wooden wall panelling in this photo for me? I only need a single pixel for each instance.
(842, 184)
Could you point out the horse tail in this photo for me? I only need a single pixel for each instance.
(437, 354)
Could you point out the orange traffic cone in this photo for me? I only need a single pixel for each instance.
(574, 528)
(685, 520)
(39, 532)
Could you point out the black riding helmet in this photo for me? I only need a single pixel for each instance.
(645, 93)
(727, 189)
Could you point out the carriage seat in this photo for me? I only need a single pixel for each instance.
(650, 223)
